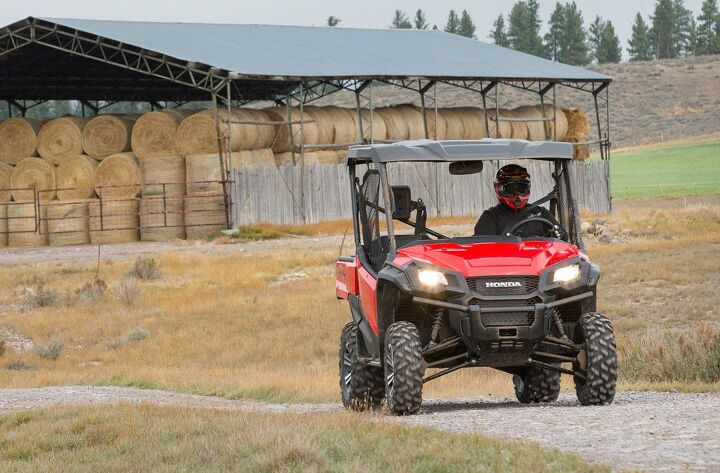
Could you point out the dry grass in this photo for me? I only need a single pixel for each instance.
(145, 438)
(222, 324)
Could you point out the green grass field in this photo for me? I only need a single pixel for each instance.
(692, 169)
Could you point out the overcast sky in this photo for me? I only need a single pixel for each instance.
(362, 14)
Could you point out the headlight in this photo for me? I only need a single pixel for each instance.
(431, 278)
(567, 273)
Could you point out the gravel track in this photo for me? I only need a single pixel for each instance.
(640, 430)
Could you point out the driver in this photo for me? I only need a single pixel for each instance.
(512, 186)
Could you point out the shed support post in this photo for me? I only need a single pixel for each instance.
(429, 102)
(542, 91)
(222, 155)
(484, 93)
(363, 99)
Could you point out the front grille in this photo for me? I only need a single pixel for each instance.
(528, 285)
(505, 319)
(570, 312)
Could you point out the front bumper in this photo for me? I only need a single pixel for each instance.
(467, 320)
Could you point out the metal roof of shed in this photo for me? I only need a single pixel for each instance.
(323, 52)
(487, 149)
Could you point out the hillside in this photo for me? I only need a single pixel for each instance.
(650, 101)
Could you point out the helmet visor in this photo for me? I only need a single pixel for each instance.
(520, 187)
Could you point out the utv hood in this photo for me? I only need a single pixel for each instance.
(486, 259)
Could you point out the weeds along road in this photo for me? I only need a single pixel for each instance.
(640, 430)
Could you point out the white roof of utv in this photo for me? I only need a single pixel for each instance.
(467, 150)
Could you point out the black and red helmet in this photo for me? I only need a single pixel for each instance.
(512, 186)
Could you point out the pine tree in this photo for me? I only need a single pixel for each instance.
(524, 28)
(499, 34)
(641, 45)
(684, 30)
(466, 27)
(453, 23)
(603, 41)
(333, 21)
(611, 44)
(400, 22)
(555, 29)
(708, 29)
(595, 37)
(573, 44)
(420, 20)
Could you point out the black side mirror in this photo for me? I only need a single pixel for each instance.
(461, 168)
(402, 202)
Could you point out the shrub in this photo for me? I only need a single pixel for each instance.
(92, 291)
(692, 355)
(127, 291)
(2, 347)
(50, 352)
(19, 365)
(135, 335)
(145, 269)
(38, 296)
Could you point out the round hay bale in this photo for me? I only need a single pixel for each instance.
(324, 123)
(520, 130)
(200, 168)
(577, 132)
(105, 135)
(113, 221)
(379, 132)
(282, 138)
(254, 158)
(454, 128)
(326, 157)
(311, 157)
(25, 226)
(61, 137)
(265, 133)
(163, 174)
(562, 123)
(33, 173)
(440, 125)
(414, 119)
(345, 130)
(68, 223)
(197, 134)
(162, 219)
(397, 127)
(74, 178)
(155, 133)
(3, 225)
(5, 176)
(536, 130)
(19, 139)
(473, 120)
(204, 215)
(118, 177)
(499, 129)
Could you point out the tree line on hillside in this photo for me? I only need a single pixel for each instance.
(672, 31)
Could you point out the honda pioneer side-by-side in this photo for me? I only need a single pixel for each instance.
(424, 304)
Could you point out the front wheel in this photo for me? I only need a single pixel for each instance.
(597, 360)
(361, 385)
(536, 384)
(403, 369)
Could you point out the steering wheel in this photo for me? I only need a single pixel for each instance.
(554, 230)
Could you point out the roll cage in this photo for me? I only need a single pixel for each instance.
(373, 194)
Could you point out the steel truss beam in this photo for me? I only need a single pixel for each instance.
(112, 52)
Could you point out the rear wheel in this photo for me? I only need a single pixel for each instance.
(403, 369)
(536, 384)
(597, 361)
(361, 386)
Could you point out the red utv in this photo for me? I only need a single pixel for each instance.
(420, 300)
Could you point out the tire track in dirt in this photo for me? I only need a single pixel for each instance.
(640, 430)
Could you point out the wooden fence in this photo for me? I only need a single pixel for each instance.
(287, 195)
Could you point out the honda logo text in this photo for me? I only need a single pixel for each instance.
(504, 284)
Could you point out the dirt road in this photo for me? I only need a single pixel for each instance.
(648, 430)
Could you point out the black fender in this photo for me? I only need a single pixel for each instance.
(368, 344)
